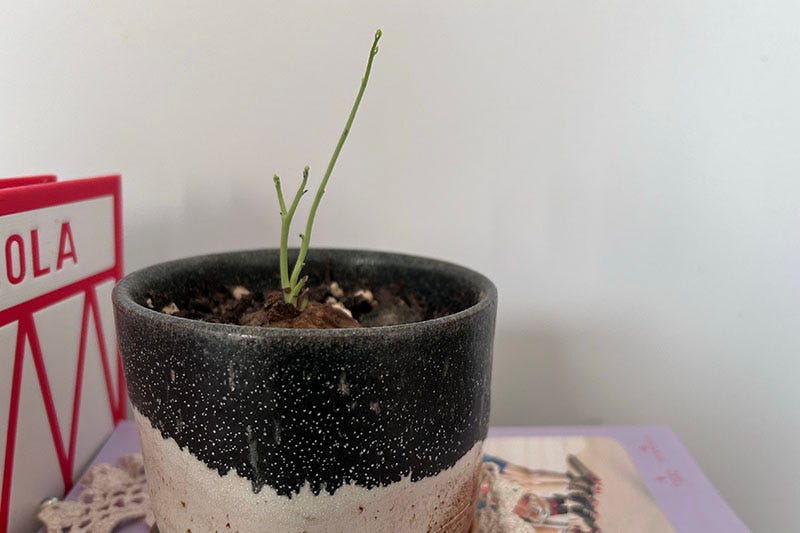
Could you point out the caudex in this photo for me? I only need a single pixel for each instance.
(292, 284)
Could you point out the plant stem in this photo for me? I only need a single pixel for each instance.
(300, 192)
(298, 266)
(297, 288)
(285, 220)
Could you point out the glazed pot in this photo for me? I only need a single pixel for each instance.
(269, 429)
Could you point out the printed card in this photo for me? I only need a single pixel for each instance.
(61, 389)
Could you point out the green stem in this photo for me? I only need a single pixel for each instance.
(300, 192)
(298, 266)
(289, 295)
(285, 220)
(296, 290)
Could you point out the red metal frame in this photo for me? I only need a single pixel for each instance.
(36, 192)
(8, 183)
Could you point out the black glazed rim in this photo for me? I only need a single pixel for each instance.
(124, 294)
(434, 401)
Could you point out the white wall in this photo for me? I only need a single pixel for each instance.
(626, 172)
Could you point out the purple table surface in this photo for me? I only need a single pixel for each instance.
(686, 496)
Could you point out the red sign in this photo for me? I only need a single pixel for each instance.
(61, 385)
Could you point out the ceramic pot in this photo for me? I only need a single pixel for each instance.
(266, 429)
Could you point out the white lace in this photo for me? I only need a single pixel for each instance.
(110, 496)
(113, 495)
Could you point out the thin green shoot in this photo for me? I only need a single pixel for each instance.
(292, 285)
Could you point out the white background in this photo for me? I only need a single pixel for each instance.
(625, 171)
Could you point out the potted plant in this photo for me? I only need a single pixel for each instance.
(348, 393)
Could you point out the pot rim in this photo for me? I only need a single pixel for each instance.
(124, 302)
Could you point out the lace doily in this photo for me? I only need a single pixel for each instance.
(110, 496)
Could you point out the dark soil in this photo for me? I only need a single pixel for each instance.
(329, 306)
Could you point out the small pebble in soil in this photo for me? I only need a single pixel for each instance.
(335, 290)
(239, 292)
(330, 305)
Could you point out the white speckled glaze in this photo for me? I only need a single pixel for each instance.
(187, 496)
(290, 430)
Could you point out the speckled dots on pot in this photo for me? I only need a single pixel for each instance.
(259, 429)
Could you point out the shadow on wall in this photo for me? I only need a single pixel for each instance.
(529, 378)
(552, 377)
(219, 220)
